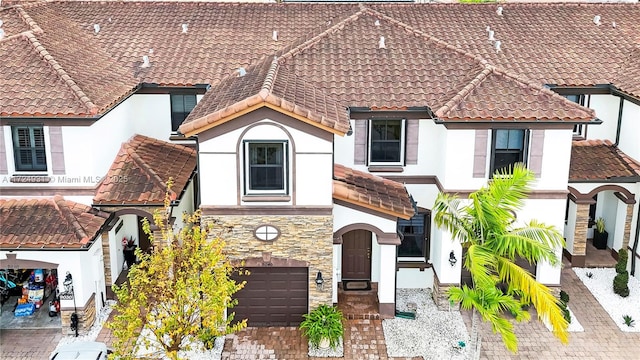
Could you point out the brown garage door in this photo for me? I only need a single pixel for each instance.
(273, 296)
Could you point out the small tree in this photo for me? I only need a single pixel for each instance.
(179, 293)
(621, 280)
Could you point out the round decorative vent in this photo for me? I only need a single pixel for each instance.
(266, 233)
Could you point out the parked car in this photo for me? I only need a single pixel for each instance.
(85, 350)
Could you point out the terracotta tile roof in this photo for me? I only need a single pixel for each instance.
(502, 96)
(597, 160)
(49, 223)
(547, 43)
(372, 192)
(13, 22)
(628, 79)
(215, 44)
(433, 51)
(140, 171)
(272, 85)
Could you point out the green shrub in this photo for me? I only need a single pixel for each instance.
(564, 297)
(620, 284)
(621, 266)
(628, 320)
(600, 225)
(325, 322)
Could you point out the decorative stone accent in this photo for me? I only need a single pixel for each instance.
(580, 234)
(86, 317)
(106, 256)
(439, 295)
(307, 239)
(627, 226)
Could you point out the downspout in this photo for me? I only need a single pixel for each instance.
(196, 188)
(634, 250)
(619, 126)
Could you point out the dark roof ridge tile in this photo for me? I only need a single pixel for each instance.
(61, 205)
(62, 74)
(308, 42)
(29, 20)
(130, 147)
(464, 92)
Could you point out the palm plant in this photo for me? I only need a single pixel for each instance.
(484, 225)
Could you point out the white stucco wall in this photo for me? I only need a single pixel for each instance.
(606, 107)
(90, 150)
(630, 130)
(312, 174)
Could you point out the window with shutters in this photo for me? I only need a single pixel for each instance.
(265, 167)
(181, 106)
(386, 142)
(507, 148)
(29, 148)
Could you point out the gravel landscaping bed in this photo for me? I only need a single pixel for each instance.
(433, 334)
(600, 284)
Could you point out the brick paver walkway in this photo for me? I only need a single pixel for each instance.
(363, 340)
(601, 339)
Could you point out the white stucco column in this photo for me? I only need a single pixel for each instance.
(387, 283)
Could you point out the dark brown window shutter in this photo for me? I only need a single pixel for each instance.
(535, 156)
(480, 154)
(57, 152)
(3, 153)
(360, 141)
(412, 141)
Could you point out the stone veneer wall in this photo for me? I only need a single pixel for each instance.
(439, 295)
(86, 317)
(307, 238)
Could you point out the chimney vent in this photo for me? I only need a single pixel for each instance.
(381, 43)
(596, 20)
(498, 44)
(275, 35)
(185, 27)
(491, 35)
(613, 24)
(145, 61)
(499, 11)
(242, 71)
(96, 28)
(377, 23)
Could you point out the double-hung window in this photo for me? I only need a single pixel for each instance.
(386, 142)
(29, 148)
(415, 238)
(181, 106)
(508, 148)
(266, 167)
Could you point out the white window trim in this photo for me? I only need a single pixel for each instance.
(285, 168)
(403, 144)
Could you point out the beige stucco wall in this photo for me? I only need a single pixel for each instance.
(307, 238)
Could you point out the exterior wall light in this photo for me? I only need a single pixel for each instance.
(452, 258)
(319, 281)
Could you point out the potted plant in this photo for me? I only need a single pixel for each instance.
(600, 235)
(323, 327)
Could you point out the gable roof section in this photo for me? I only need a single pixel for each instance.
(371, 192)
(51, 223)
(597, 160)
(500, 96)
(271, 85)
(140, 172)
(76, 77)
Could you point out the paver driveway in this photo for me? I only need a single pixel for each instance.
(364, 339)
